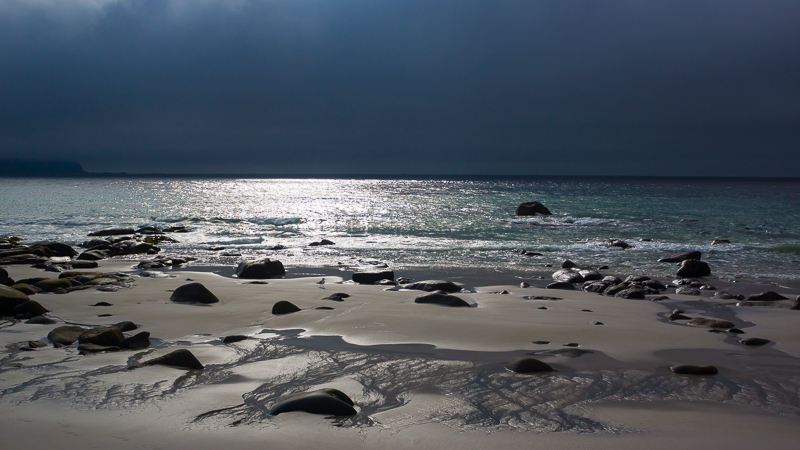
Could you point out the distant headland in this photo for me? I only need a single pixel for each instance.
(29, 168)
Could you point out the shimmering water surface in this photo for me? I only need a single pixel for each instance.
(443, 223)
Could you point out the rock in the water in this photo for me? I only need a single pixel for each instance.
(112, 232)
(126, 326)
(57, 248)
(755, 342)
(527, 365)
(568, 264)
(767, 296)
(137, 341)
(267, 268)
(233, 338)
(105, 336)
(692, 268)
(372, 277)
(441, 298)
(183, 359)
(193, 293)
(618, 243)
(433, 285)
(65, 335)
(9, 299)
(561, 285)
(330, 402)
(687, 369)
(720, 241)
(711, 323)
(681, 257)
(532, 208)
(284, 307)
(568, 276)
(524, 285)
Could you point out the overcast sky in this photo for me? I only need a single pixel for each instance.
(404, 86)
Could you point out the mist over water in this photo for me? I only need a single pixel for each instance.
(442, 223)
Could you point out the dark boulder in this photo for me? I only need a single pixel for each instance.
(41, 320)
(590, 275)
(31, 308)
(371, 277)
(52, 285)
(633, 293)
(692, 268)
(613, 290)
(58, 248)
(94, 255)
(568, 264)
(612, 280)
(137, 342)
(65, 335)
(126, 326)
(767, 296)
(618, 243)
(679, 316)
(720, 241)
(441, 298)
(113, 232)
(527, 365)
(561, 285)
(105, 336)
(4, 278)
(10, 299)
(182, 359)
(568, 276)
(193, 293)
(595, 286)
(148, 230)
(681, 257)
(655, 284)
(531, 209)
(687, 369)
(337, 297)
(330, 402)
(267, 268)
(433, 285)
(687, 290)
(284, 307)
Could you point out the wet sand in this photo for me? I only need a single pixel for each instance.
(420, 375)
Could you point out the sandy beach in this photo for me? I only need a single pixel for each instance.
(419, 375)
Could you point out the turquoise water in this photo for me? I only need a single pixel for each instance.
(446, 223)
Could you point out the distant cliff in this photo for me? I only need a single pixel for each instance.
(26, 168)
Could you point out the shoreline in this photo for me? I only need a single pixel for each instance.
(419, 374)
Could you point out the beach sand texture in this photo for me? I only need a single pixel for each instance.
(419, 375)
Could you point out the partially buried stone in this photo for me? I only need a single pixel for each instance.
(371, 277)
(103, 336)
(441, 298)
(631, 293)
(126, 326)
(561, 285)
(755, 342)
(433, 285)
(10, 299)
(331, 402)
(41, 320)
(233, 338)
(711, 323)
(182, 359)
(527, 365)
(337, 297)
(102, 304)
(679, 316)
(84, 348)
(193, 293)
(767, 296)
(686, 290)
(284, 307)
(687, 369)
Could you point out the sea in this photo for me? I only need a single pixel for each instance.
(430, 222)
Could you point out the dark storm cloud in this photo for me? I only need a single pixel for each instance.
(368, 86)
